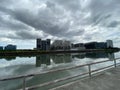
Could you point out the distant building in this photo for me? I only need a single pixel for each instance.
(61, 45)
(1, 47)
(57, 43)
(101, 45)
(96, 45)
(10, 47)
(66, 44)
(109, 44)
(78, 46)
(91, 45)
(43, 44)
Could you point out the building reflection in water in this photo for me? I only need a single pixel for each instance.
(52, 62)
(8, 58)
(96, 55)
(61, 58)
(42, 60)
(78, 55)
(111, 56)
(45, 60)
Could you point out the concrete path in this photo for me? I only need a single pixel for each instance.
(108, 80)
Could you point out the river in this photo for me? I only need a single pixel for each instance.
(11, 66)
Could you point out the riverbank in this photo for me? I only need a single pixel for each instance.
(37, 52)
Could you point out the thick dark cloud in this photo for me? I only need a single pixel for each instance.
(26, 35)
(114, 24)
(6, 23)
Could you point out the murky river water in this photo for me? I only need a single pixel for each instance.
(12, 66)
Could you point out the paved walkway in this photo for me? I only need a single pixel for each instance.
(108, 80)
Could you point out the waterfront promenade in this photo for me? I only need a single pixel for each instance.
(107, 80)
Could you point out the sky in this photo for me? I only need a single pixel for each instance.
(79, 21)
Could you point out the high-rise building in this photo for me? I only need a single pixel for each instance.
(109, 44)
(38, 43)
(43, 44)
(48, 44)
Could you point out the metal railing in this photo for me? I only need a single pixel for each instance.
(89, 73)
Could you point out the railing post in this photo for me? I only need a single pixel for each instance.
(89, 68)
(24, 83)
(115, 63)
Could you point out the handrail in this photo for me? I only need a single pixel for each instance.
(62, 79)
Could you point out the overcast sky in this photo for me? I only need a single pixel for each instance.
(22, 21)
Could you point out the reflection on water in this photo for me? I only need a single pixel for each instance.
(111, 56)
(8, 57)
(44, 60)
(10, 66)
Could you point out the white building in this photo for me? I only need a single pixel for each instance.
(57, 43)
(61, 44)
(66, 43)
(109, 43)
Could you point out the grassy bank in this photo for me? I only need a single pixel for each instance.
(37, 52)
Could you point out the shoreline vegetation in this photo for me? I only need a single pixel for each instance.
(38, 52)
